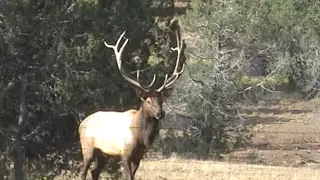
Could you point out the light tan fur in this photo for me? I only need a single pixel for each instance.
(108, 131)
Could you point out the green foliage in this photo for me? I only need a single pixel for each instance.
(276, 80)
(292, 24)
(316, 101)
(226, 40)
(212, 129)
(278, 37)
(70, 73)
(212, 95)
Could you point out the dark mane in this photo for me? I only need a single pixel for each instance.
(146, 130)
(152, 131)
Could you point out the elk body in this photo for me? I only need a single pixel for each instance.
(127, 134)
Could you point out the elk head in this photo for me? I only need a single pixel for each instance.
(151, 98)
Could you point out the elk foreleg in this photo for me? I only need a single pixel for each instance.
(99, 164)
(127, 168)
(134, 166)
(85, 167)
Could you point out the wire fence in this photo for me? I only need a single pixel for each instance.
(294, 155)
(281, 154)
(285, 160)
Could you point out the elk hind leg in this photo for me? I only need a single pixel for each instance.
(99, 165)
(88, 155)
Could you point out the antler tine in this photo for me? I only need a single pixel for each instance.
(152, 82)
(150, 85)
(118, 58)
(175, 73)
(164, 84)
(179, 49)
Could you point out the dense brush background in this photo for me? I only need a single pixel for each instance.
(237, 53)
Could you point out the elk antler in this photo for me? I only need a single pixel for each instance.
(176, 73)
(167, 81)
(123, 73)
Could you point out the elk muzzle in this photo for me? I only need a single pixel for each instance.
(160, 115)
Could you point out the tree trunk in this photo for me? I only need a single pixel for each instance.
(17, 154)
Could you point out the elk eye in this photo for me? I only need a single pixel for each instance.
(148, 101)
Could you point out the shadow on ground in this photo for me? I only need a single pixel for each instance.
(254, 120)
(276, 111)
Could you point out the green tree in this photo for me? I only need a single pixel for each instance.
(59, 46)
(226, 40)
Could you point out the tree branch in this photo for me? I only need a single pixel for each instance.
(193, 79)
(17, 154)
(261, 83)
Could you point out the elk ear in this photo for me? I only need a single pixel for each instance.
(166, 92)
(140, 93)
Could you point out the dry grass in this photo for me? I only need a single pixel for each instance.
(173, 169)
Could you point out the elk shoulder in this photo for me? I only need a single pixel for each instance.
(108, 131)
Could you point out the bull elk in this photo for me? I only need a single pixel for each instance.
(127, 134)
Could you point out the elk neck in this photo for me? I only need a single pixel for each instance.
(145, 128)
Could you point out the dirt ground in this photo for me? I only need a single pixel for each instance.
(286, 134)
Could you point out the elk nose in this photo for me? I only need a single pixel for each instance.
(160, 114)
